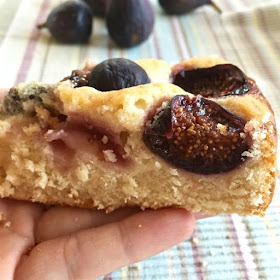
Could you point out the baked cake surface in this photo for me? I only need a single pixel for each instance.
(78, 146)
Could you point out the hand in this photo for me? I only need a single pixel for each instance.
(70, 243)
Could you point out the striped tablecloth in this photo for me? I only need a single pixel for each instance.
(248, 35)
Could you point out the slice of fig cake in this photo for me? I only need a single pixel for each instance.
(198, 135)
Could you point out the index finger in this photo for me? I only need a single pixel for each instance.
(91, 253)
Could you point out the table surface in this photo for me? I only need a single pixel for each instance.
(247, 34)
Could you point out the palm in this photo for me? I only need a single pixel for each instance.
(71, 243)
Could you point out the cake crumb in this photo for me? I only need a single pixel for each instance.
(203, 264)
(222, 128)
(2, 217)
(177, 183)
(31, 129)
(4, 127)
(82, 173)
(194, 240)
(7, 224)
(157, 165)
(109, 155)
(104, 139)
(139, 225)
(74, 194)
(173, 171)
(247, 154)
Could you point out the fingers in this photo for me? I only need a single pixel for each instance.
(95, 252)
(59, 221)
(3, 92)
(12, 247)
(20, 217)
(16, 233)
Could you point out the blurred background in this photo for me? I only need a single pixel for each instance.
(246, 33)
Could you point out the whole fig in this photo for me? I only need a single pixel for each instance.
(130, 22)
(178, 7)
(70, 22)
(117, 73)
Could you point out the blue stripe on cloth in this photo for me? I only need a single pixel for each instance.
(117, 274)
(177, 263)
(264, 248)
(214, 239)
(166, 39)
(155, 268)
(194, 34)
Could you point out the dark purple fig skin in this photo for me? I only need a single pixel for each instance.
(130, 22)
(178, 7)
(98, 7)
(79, 78)
(218, 81)
(186, 135)
(117, 73)
(70, 22)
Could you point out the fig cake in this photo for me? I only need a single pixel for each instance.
(198, 135)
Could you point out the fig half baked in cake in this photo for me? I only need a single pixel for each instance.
(198, 135)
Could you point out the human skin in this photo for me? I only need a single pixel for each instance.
(41, 242)
(70, 243)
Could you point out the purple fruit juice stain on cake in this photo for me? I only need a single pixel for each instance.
(86, 140)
